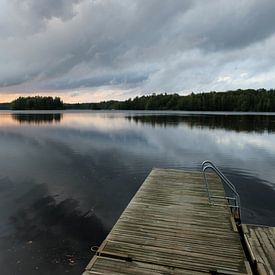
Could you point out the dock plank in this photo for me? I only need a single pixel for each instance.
(260, 241)
(169, 227)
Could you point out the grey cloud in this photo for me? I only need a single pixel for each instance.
(244, 23)
(169, 45)
(46, 9)
(105, 80)
(21, 18)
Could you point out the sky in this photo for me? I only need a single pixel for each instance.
(93, 50)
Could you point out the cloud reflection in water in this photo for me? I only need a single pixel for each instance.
(53, 174)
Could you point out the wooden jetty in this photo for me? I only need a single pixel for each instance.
(260, 242)
(169, 227)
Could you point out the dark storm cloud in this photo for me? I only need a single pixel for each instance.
(149, 45)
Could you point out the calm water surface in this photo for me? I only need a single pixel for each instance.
(66, 177)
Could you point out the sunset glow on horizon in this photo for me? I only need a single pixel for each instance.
(69, 97)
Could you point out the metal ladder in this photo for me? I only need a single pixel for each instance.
(234, 201)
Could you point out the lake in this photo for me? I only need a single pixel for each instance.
(65, 177)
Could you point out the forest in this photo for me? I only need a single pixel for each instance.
(37, 103)
(248, 100)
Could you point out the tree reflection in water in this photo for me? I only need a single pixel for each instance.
(38, 118)
(238, 123)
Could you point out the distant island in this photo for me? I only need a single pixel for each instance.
(249, 100)
(37, 103)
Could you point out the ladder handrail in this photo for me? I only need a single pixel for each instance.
(218, 171)
(207, 164)
(230, 185)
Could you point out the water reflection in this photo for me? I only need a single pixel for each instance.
(39, 118)
(63, 186)
(238, 123)
(257, 198)
(48, 234)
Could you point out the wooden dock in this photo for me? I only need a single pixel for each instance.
(169, 227)
(260, 242)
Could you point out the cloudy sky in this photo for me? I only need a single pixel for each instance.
(90, 50)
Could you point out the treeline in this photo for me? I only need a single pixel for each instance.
(5, 106)
(249, 100)
(37, 103)
(78, 106)
(240, 100)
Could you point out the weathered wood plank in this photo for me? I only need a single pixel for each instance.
(169, 227)
(260, 241)
(103, 265)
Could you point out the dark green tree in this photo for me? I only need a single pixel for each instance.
(37, 103)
